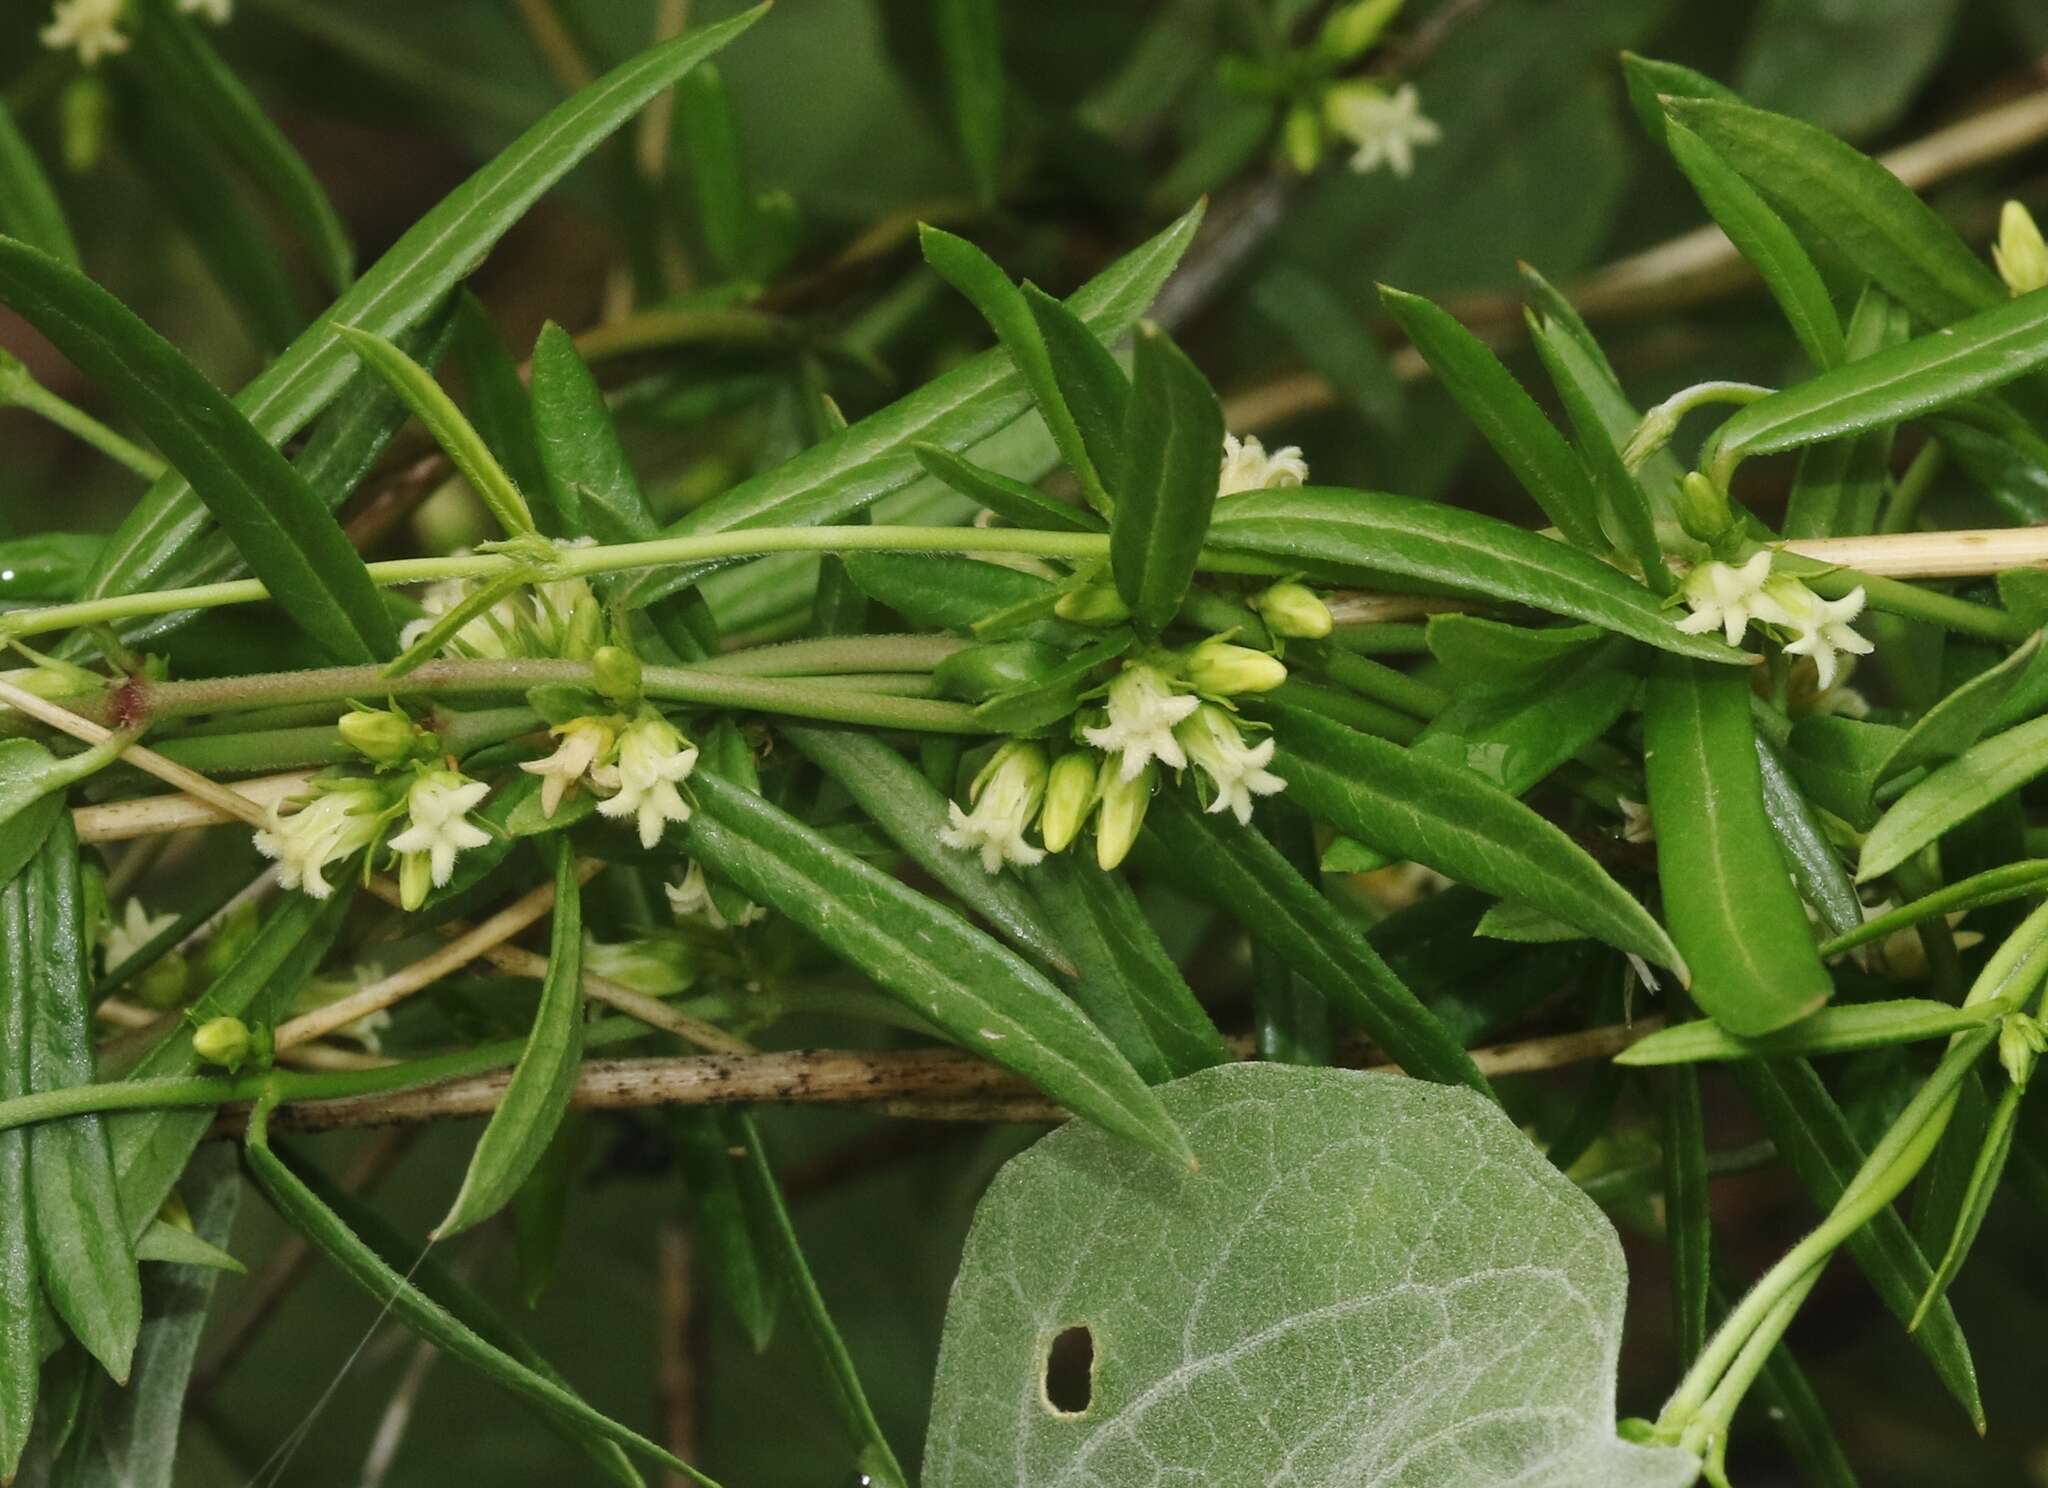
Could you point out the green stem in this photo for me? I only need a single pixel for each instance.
(827, 655)
(660, 552)
(1900, 598)
(1913, 487)
(23, 391)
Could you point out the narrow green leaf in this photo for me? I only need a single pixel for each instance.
(495, 397)
(1836, 760)
(431, 1317)
(942, 590)
(1513, 737)
(537, 1097)
(1463, 551)
(1686, 1214)
(1241, 873)
(166, 1243)
(1762, 237)
(1413, 807)
(45, 565)
(1730, 903)
(911, 810)
(32, 784)
(1809, 851)
(1171, 437)
(1900, 382)
(1041, 705)
(1505, 414)
(29, 209)
(1480, 652)
(1979, 891)
(86, 1259)
(20, 1281)
(177, 59)
(1982, 1186)
(1012, 500)
(708, 141)
(1986, 772)
(1650, 81)
(873, 1459)
(941, 968)
(738, 1255)
(971, 47)
(1871, 217)
(1815, 1139)
(849, 471)
(1952, 725)
(1097, 392)
(1127, 983)
(1832, 1030)
(1003, 305)
(436, 252)
(1841, 482)
(454, 433)
(288, 537)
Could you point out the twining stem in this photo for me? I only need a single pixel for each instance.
(23, 391)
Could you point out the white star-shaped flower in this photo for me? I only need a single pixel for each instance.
(1006, 795)
(1820, 627)
(437, 808)
(136, 928)
(653, 759)
(1728, 598)
(339, 820)
(585, 743)
(1236, 771)
(1385, 127)
(91, 27)
(1143, 709)
(1636, 825)
(692, 899)
(219, 12)
(1247, 467)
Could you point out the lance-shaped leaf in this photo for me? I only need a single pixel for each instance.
(1012, 500)
(29, 209)
(1413, 807)
(520, 1129)
(970, 36)
(1687, 1226)
(1376, 531)
(943, 969)
(1989, 348)
(20, 1282)
(1097, 392)
(413, 276)
(1986, 772)
(1172, 435)
(1868, 214)
(428, 1316)
(289, 538)
(83, 1252)
(1960, 719)
(1242, 874)
(1841, 482)
(876, 457)
(1730, 902)
(1832, 1030)
(1301, 1299)
(1504, 413)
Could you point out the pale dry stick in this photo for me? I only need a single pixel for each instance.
(388, 991)
(556, 46)
(1685, 270)
(1358, 607)
(933, 1084)
(518, 961)
(1932, 555)
(150, 816)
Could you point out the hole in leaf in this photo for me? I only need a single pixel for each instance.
(1070, 1371)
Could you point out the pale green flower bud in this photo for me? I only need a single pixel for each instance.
(1069, 797)
(415, 879)
(1006, 796)
(1221, 669)
(1301, 139)
(1352, 28)
(655, 966)
(582, 635)
(223, 1041)
(235, 935)
(2021, 1040)
(1093, 603)
(163, 985)
(2021, 256)
(615, 673)
(1703, 509)
(1124, 803)
(383, 736)
(1294, 610)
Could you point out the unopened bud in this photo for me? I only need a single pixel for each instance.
(1703, 509)
(235, 935)
(223, 1041)
(977, 673)
(615, 672)
(1221, 669)
(1093, 603)
(1301, 139)
(2021, 256)
(1353, 28)
(162, 986)
(655, 966)
(1124, 803)
(383, 736)
(585, 629)
(1069, 797)
(415, 878)
(2021, 1041)
(1293, 610)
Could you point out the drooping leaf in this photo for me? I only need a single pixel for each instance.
(288, 537)
(1956, 722)
(1465, 552)
(1307, 1302)
(1731, 905)
(1172, 438)
(943, 969)
(404, 284)
(524, 1123)
(1413, 807)
(726, 1232)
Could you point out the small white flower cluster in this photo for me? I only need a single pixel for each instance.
(542, 622)
(343, 815)
(637, 767)
(1247, 467)
(1384, 128)
(1728, 598)
(92, 28)
(1160, 712)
